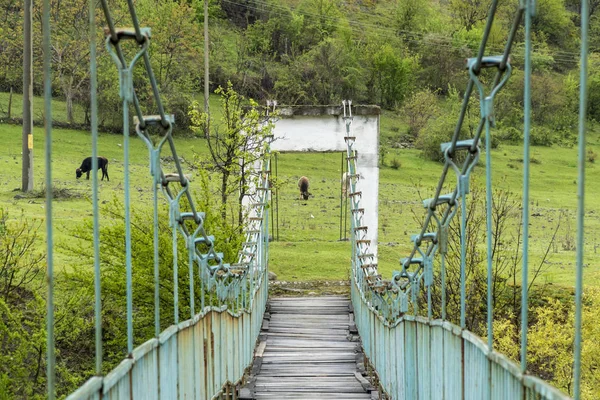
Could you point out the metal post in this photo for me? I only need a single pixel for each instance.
(583, 97)
(50, 366)
(94, 129)
(277, 195)
(272, 202)
(341, 194)
(206, 72)
(526, 130)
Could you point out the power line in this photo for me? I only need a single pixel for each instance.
(562, 58)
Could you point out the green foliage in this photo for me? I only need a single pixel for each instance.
(303, 52)
(320, 21)
(553, 106)
(394, 75)
(21, 369)
(20, 261)
(541, 136)
(442, 63)
(176, 53)
(553, 24)
(79, 284)
(551, 339)
(11, 43)
(214, 10)
(439, 129)
(22, 314)
(594, 88)
(414, 16)
(468, 12)
(236, 144)
(419, 108)
(326, 74)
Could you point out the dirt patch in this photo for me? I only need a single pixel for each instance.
(309, 288)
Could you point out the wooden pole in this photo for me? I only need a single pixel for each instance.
(27, 149)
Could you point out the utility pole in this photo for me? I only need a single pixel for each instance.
(206, 109)
(27, 149)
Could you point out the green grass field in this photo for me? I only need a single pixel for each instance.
(309, 247)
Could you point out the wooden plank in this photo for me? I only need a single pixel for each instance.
(307, 354)
(260, 349)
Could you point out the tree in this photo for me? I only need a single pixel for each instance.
(11, 44)
(506, 257)
(20, 262)
(175, 52)
(412, 15)
(419, 108)
(321, 18)
(70, 50)
(22, 331)
(440, 128)
(442, 63)
(469, 12)
(235, 144)
(553, 22)
(394, 75)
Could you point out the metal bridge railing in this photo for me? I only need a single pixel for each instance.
(419, 357)
(205, 356)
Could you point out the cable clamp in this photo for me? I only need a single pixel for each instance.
(443, 199)
(427, 237)
(487, 102)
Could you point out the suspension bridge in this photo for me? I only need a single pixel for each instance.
(237, 343)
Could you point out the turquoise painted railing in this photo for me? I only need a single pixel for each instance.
(204, 357)
(418, 357)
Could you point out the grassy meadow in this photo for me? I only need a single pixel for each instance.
(309, 231)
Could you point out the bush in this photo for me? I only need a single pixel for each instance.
(419, 108)
(541, 136)
(510, 134)
(592, 156)
(396, 164)
(440, 130)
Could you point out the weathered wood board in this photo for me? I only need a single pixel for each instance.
(308, 353)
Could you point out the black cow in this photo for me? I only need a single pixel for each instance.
(303, 184)
(86, 167)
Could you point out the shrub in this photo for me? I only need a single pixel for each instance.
(440, 130)
(396, 163)
(510, 134)
(419, 109)
(591, 156)
(541, 136)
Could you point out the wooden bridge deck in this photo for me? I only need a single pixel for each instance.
(307, 352)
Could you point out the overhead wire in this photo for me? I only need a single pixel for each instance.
(564, 59)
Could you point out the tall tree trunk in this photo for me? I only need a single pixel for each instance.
(69, 102)
(224, 181)
(242, 195)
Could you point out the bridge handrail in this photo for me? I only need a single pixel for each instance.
(208, 353)
(414, 356)
(389, 335)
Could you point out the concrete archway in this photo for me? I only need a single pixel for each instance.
(322, 129)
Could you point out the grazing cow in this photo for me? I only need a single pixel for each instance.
(86, 167)
(303, 186)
